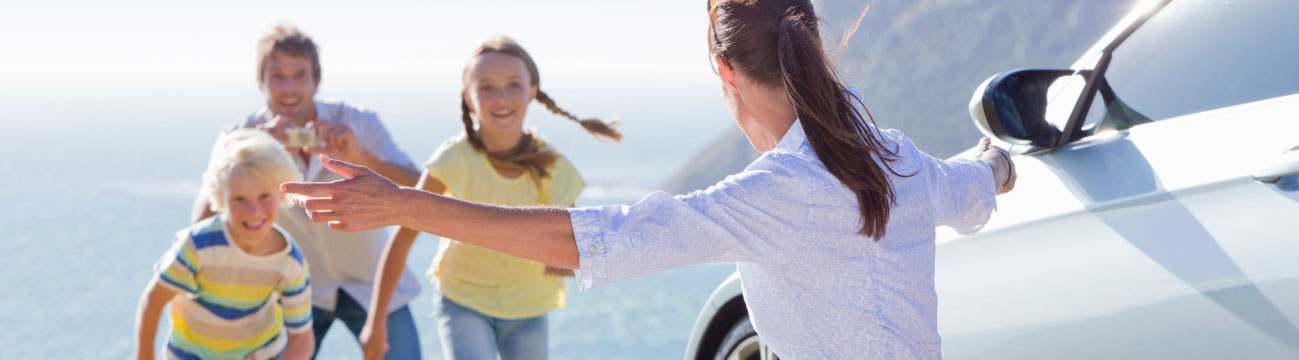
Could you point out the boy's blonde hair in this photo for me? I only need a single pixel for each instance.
(256, 152)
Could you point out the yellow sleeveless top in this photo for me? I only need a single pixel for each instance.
(492, 283)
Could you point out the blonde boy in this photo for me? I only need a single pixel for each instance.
(237, 284)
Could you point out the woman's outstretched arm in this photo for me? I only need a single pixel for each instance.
(366, 200)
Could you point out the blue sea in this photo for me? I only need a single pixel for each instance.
(94, 186)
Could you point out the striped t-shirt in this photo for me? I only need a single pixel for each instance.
(232, 304)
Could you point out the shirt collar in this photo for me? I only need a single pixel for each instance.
(322, 113)
(794, 137)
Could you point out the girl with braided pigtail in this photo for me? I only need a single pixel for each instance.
(491, 303)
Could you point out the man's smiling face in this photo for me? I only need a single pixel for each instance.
(289, 86)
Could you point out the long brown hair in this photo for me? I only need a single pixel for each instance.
(777, 43)
(527, 155)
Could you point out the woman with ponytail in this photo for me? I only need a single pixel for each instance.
(491, 303)
(832, 228)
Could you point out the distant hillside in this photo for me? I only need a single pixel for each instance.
(918, 61)
(726, 156)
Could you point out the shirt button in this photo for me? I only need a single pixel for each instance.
(591, 249)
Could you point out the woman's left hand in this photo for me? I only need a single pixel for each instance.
(1003, 169)
(363, 201)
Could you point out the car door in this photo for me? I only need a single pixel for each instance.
(1152, 235)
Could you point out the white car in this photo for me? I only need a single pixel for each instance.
(1157, 209)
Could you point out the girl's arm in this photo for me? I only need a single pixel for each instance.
(146, 322)
(368, 201)
(301, 346)
(391, 266)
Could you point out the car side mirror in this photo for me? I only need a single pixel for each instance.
(1012, 107)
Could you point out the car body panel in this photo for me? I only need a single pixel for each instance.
(1160, 245)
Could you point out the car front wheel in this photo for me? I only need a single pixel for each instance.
(743, 343)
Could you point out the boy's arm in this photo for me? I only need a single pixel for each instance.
(295, 300)
(146, 322)
(301, 346)
(391, 266)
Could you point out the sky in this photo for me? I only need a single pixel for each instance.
(70, 48)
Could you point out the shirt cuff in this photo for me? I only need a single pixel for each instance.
(299, 329)
(589, 237)
(985, 193)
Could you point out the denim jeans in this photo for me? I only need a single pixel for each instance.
(403, 339)
(468, 334)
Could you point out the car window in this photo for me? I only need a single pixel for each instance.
(1198, 55)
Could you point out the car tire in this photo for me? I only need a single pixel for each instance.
(742, 343)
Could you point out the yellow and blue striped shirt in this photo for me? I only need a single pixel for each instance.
(233, 304)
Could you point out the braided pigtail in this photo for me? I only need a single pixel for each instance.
(595, 126)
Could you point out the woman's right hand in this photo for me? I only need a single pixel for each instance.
(364, 200)
(1003, 169)
(374, 341)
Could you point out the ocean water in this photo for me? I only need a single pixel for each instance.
(93, 186)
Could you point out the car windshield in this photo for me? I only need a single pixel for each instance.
(1199, 55)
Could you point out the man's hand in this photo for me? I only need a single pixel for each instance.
(276, 127)
(364, 200)
(338, 141)
(1003, 169)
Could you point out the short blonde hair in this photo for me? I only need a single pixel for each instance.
(256, 152)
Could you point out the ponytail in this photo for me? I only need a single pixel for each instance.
(835, 128)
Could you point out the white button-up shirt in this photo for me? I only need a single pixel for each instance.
(342, 260)
(814, 287)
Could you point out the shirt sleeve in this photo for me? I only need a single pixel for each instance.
(295, 294)
(444, 165)
(962, 191)
(178, 268)
(566, 184)
(748, 217)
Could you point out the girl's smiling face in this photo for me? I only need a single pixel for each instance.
(251, 205)
(498, 89)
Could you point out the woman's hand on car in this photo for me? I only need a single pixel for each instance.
(1003, 169)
